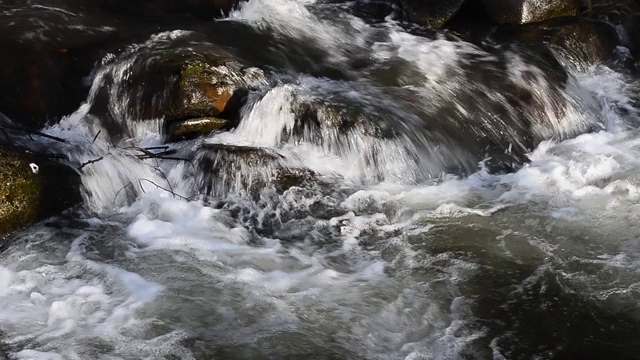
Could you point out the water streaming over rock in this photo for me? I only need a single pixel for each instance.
(377, 211)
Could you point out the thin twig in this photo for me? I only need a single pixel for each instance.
(90, 162)
(118, 192)
(160, 187)
(165, 178)
(96, 137)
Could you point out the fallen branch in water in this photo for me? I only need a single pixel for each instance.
(30, 132)
(163, 155)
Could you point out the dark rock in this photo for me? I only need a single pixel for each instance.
(192, 128)
(222, 169)
(624, 15)
(432, 13)
(529, 11)
(50, 54)
(27, 197)
(582, 41)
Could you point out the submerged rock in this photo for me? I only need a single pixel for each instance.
(209, 89)
(222, 169)
(33, 188)
(193, 128)
(314, 115)
(433, 13)
(582, 41)
(529, 11)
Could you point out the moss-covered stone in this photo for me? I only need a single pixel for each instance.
(192, 128)
(529, 11)
(212, 90)
(26, 196)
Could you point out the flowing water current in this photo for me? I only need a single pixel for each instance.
(387, 254)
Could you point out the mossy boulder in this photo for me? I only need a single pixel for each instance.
(27, 196)
(432, 13)
(529, 11)
(213, 89)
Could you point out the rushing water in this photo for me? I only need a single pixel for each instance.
(386, 255)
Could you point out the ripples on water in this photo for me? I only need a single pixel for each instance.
(385, 257)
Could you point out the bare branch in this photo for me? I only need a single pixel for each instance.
(90, 162)
(30, 132)
(96, 137)
(118, 192)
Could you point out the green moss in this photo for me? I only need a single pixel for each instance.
(26, 197)
(20, 192)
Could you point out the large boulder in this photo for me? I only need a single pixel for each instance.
(33, 188)
(212, 89)
(432, 13)
(529, 11)
(193, 94)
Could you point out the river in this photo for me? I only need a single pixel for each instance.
(388, 254)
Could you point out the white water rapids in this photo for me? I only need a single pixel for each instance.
(373, 262)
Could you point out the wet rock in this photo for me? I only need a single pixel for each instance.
(315, 115)
(222, 169)
(432, 13)
(27, 196)
(529, 11)
(624, 15)
(212, 89)
(582, 41)
(193, 128)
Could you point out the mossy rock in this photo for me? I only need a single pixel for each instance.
(27, 197)
(212, 90)
(529, 11)
(193, 128)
